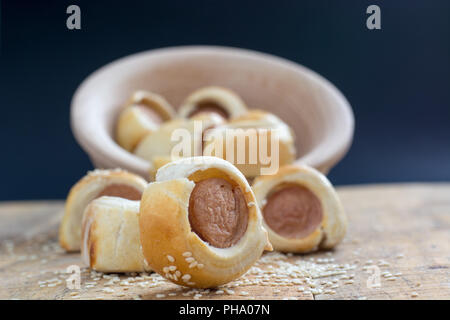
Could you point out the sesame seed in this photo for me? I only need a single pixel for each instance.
(391, 279)
(186, 277)
(383, 263)
(275, 270)
(172, 268)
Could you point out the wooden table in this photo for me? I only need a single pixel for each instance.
(398, 234)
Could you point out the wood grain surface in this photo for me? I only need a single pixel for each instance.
(398, 234)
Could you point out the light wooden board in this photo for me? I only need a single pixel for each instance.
(400, 229)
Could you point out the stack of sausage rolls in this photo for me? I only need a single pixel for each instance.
(199, 223)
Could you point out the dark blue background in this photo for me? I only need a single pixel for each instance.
(397, 78)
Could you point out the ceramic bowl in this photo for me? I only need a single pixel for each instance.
(314, 108)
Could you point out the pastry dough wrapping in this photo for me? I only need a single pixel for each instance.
(334, 220)
(110, 236)
(89, 188)
(157, 146)
(260, 156)
(173, 249)
(134, 122)
(225, 100)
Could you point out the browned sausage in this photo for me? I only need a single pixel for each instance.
(210, 107)
(293, 211)
(121, 191)
(218, 212)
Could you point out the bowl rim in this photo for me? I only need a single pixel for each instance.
(322, 157)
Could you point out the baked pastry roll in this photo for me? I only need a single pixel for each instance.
(97, 183)
(199, 223)
(302, 211)
(260, 143)
(183, 137)
(158, 162)
(110, 236)
(143, 113)
(221, 101)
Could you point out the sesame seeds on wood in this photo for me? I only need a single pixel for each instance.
(386, 232)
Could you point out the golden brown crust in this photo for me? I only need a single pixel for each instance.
(82, 193)
(267, 128)
(153, 101)
(334, 221)
(158, 162)
(221, 101)
(183, 135)
(137, 119)
(173, 249)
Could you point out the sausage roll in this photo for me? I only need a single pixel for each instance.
(260, 142)
(181, 136)
(143, 113)
(221, 101)
(110, 236)
(199, 223)
(301, 209)
(115, 183)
